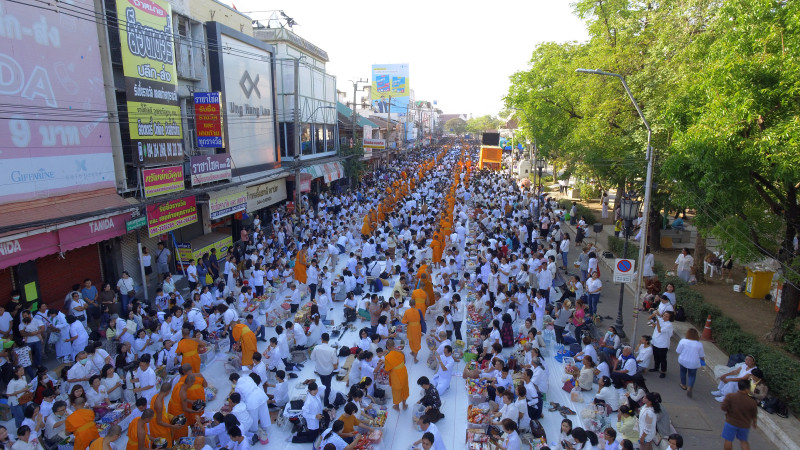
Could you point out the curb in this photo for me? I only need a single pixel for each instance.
(783, 433)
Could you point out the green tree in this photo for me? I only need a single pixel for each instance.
(456, 125)
(483, 124)
(736, 148)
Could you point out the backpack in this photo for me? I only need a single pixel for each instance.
(680, 314)
(422, 323)
(774, 405)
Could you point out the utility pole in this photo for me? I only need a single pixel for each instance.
(389, 121)
(355, 114)
(298, 134)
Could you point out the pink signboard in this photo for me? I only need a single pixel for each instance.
(50, 66)
(90, 232)
(162, 180)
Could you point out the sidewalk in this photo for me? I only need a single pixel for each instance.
(691, 417)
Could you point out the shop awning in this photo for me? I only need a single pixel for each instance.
(27, 244)
(329, 171)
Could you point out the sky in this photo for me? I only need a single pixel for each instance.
(460, 53)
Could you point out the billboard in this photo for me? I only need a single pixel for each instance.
(165, 217)
(208, 119)
(226, 202)
(162, 180)
(54, 137)
(210, 168)
(266, 194)
(390, 81)
(242, 69)
(148, 61)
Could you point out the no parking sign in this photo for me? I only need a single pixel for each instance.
(623, 270)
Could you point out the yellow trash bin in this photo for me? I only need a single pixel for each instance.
(758, 283)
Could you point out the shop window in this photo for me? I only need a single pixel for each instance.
(330, 138)
(306, 144)
(319, 133)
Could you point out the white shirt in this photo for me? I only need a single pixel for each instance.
(689, 353)
(5, 322)
(95, 398)
(609, 395)
(312, 407)
(147, 378)
(32, 327)
(300, 338)
(438, 441)
(661, 338)
(325, 359)
(195, 317)
(644, 355)
(593, 285)
(191, 272)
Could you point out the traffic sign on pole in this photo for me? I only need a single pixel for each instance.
(623, 270)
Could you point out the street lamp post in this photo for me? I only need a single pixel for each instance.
(355, 114)
(647, 186)
(629, 212)
(540, 163)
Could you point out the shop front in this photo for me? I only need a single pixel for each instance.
(44, 264)
(263, 197)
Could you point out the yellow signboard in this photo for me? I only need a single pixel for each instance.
(151, 77)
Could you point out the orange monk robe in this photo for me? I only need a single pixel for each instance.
(381, 215)
(424, 277)
(395, 364)
(414, 330)
(436, 249)
(156, 430)
(195, 392)
(300, 265)
(81, 424)
(97, 444)
(366, 230)
(175, 409)
(187, 348)
(245, 336)
(133, 435)
(420, 297)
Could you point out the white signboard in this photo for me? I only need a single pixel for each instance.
(249, 103)
(623, 270)
(226, 202)
(263, 195)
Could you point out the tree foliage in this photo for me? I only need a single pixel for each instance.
(719, 83)
(456, 125)
(483, 124)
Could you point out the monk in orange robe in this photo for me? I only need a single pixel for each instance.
(366, 230)
(195, 390)
(412, 319)
(175, 407)
(104, 443)
(188, 348)
(421, 298)
(81, 424)
(138, 433)
(245, 336)
(395, 365)
(301, 264)
(160, 426)
(424, 277)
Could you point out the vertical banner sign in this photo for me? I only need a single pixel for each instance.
(148, 60)
(391, 84)
(208, 119)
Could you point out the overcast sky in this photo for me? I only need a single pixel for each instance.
(459, 53)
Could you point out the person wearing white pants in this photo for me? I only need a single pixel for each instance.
(445, 371)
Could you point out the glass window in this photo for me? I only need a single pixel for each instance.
(286, 141)
(330, 139)
(319, 133)
(305, 140)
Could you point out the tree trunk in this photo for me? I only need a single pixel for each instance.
(617, 199)
(699, 257)
(654, 229)
(790, 298)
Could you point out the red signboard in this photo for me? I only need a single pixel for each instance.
(208, 119)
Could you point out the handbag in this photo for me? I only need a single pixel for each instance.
(209, 279)
(538, 430)
(568, 386)
(25, 398)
